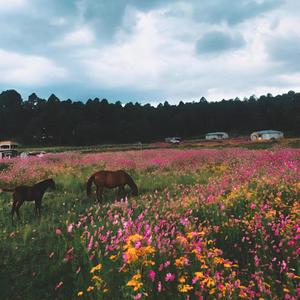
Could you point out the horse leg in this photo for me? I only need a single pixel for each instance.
(100, 194)
(38, 204)
(121, 191)
(13, 209)
(19, 203)
(36, 208)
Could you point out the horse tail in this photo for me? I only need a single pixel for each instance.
(89, 185)
(7, 190)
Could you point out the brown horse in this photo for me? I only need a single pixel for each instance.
(110, 179)
(24, 193)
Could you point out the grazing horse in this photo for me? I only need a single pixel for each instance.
(110, 179)
(24, 193)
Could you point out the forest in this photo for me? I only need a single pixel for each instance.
(52, 121)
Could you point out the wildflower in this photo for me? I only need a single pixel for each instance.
(58, 231)
(70, 228)
(148, 263)
(96, 268)
(169, 277)
(135, 282)
(159, 287)
(181, 261)
(151, 275)
(90, 288)
(138, 296)
(184, 288)
(96, 278)
(79, 294)
(58, 286)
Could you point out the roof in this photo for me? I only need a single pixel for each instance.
(214, 133)
(268, 132)
(8, 143)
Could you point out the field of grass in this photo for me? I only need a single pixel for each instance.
(207, 224)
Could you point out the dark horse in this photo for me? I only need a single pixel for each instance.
(110, 179)
(24, 193)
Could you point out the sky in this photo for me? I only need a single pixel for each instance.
(150, 51)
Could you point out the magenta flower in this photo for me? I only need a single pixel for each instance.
(151, 275)
(169, 277)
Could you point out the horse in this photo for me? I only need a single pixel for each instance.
(24, 193)
(110, 179)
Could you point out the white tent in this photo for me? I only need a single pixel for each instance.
(266, 135)
(216, 136)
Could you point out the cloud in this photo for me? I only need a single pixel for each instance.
(285, 50)
(218, 11)
(11, 5)
(149, 50)
(28, 70)
(79, 37)
(217, 41)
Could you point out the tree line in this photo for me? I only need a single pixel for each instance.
(37, 121)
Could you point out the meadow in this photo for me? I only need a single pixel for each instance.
(207, 224)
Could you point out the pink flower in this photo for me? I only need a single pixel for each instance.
(70, 228)
(169, 277)
(138, 296)
(256, 260)
(58, 231)
(151, 275)
(59, 285)
(159, 287)
(167, 263)
(90, 245)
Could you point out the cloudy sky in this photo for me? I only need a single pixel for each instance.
(150, 50)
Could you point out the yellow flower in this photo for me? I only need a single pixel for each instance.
(209, 282)
(105, 290)
(96, 278)
(184, 288)
(181, 279)
(181, 261)
(113, 257)
(212, 291)
(134, 238)
(96, 268)
(90, 288)
(134, 282)
(199, 275)
(79, 294)
(148, 263)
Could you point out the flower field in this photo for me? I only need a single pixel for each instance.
(207, 224)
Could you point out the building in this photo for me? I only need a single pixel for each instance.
(8, 149)
(266, 135)
(216, 136)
